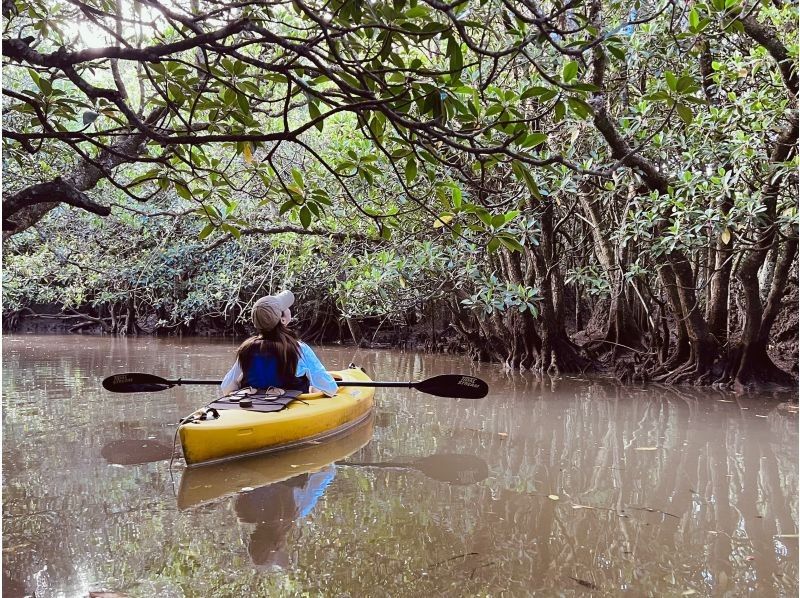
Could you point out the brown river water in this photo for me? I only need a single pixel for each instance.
(568, 487)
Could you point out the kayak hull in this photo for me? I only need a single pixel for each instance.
(240, 433)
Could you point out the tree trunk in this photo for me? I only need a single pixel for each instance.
(754, 366)
(131, 326)
(558, 354)
(622, 329)
(719, 282)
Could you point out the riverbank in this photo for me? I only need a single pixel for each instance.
(422, 336)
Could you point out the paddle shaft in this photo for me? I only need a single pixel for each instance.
(179, 382)
(444, 385)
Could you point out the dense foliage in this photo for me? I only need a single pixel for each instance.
(523, 171)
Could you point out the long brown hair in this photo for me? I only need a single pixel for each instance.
(279, 342)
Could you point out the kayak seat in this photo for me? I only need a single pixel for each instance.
(262, 400)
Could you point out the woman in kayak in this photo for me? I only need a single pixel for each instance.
(275, 356)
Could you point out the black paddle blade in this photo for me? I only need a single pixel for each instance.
(136, 383)
(453, 468)
(454, 386)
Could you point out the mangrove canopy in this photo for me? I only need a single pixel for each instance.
(558, 186)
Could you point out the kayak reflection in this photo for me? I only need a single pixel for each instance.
(212, 482)
(453, 468)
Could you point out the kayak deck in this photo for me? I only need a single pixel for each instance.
(239, 433)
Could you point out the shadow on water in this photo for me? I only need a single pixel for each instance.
(135, 452)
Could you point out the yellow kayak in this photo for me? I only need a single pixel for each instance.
(200, 485)
(239, 432)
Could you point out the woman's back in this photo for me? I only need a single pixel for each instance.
(262, 370)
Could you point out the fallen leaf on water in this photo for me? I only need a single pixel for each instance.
(750, 558)
(647, 448)
(553, 497)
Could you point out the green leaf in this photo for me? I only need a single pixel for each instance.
(685, 113)
(305, 217)
(533, 139)
(411, 170)
(534, 91)
(244, 104)
(89, 117)
(559, 110)
(457, 197)
(455, 55)
(416, 12)
(523, 175)
(314, 113)
(494, 109)
(286, 206)
(183, 191)
(510, 243)
(376, 126)
(684, 83)
(616, 52)
(298, 177)
(569, 71)
(694, 19)
(579, 107)
(209, 228)
(147, 176)
(672, 80)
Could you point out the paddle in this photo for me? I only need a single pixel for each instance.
(453, 468)
(453, 386)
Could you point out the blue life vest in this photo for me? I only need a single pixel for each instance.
(263, 372)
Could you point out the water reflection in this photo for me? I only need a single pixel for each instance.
(275, 509)
(134, 452)
(450, 468)
(631, 490)
(208, 483)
